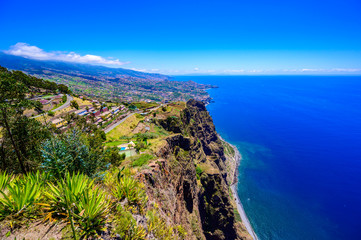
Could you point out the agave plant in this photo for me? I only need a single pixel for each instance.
(77, 199)
(93, 206)
(34, 178)
(19, 197)
(4, 180)
(63, 194)
(132, 190)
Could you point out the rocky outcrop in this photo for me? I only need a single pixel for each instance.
(189, 180)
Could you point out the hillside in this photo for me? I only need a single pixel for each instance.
(108, 83)
(174, 187)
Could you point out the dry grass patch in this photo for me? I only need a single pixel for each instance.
(125, 128)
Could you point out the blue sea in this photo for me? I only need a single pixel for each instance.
(300, 138)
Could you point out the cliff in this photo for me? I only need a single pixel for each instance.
(176, 187)
(190, 179)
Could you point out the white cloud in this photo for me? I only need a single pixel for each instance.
(196, 69)
(349, 70)
(33, 52)
(139, 70)
(234, 71)
(346, 70)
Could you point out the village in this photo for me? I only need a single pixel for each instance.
(124, 121)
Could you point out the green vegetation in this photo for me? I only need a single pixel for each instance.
(74, 104)
(19, 197)
(70, 153)
(145, 105)
(72, 177)
(86, 205)
(199, 171)
(228, 149)
(141, 160)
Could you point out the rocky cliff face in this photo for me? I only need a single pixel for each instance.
(189, 179)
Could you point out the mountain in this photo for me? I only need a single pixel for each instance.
(117, 84)
(38, 66)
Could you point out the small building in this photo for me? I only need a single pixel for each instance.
(104, 109)
(126, 146)
(59, 122)
(115, 111)
(95, 113)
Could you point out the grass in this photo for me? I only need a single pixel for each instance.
(144, 105)
(142, 160)
(82, 102)
(125, 128)
(199, 171)
(48, 96)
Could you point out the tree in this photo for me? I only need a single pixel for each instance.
(64, 89)
(71, 152)
(112, 156)
(19, 132)
(74, 104)
(64, 98)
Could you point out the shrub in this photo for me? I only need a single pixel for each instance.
(182, 233)
(74, 104)
(127, 187)
(51, 113)
(199, 171)
(126, 226)
(70, 153)
(140, 145)
(112, 156)
(158, 226)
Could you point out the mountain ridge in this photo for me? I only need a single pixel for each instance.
(26, 64)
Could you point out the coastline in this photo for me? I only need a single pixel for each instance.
(242, 213)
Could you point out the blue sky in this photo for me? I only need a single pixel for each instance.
(190, 37)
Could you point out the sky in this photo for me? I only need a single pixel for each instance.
(189, 37)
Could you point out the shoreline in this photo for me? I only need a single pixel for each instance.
(242, 213)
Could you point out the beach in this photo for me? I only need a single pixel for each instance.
(240, 209)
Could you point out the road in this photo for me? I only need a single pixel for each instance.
(65, 105)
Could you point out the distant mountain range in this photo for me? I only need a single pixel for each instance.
(108, 83)
(33, 66)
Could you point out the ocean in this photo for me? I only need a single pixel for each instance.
(300, 138)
